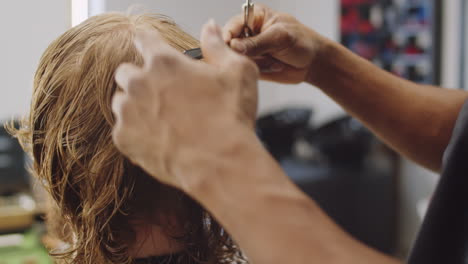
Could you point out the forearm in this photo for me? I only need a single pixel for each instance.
(416, 120)
(270, 218)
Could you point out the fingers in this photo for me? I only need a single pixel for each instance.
(235, 26)
(215, 50)
(120, 110)
(117, 101)
(126, 74)
(269, 64)
(274, 39)
(149, 43)
(217, 53)
(156, 51)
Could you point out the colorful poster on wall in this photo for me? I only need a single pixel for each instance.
(397, 35)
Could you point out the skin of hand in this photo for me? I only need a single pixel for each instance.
(162, 121)
(416, 120)
(282, 47)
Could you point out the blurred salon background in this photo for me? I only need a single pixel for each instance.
(373, 193)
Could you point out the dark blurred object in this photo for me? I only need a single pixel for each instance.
(16, 206)
(13, 173)
(343, 141)
(343, 167)
(279, 130)
(412, 46)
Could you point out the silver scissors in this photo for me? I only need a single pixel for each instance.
(248, 8)
(248, 16)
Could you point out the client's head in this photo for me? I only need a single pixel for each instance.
(107, 204)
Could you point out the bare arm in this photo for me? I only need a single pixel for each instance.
(270, 218)
(415, 120)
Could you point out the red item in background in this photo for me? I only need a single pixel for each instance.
(365, 27)
(350, 21)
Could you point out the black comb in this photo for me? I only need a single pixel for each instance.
(194, 53)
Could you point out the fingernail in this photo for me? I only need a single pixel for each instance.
(212, 25)
(239, 46)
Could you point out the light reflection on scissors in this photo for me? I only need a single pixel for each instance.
(248, 16)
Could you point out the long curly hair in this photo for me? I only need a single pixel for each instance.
(97, 191)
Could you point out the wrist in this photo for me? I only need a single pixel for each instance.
(199, 171)
(322, 61)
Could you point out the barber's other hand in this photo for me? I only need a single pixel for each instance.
(284, 49)
(175, 115)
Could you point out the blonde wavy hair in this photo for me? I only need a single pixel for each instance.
(97, 191)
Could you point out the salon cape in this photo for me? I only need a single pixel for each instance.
(443, 238)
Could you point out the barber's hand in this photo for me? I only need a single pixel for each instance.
(175, 115)
(283, 48)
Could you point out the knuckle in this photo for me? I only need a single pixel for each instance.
(135, 82)
(262, 9)
(284, 16)
(163, 59)
(120, 140)
(275, 18)
(251, 44)
(279, 17)
(284, 37)
(135, 85)
(245, 65)
(155, 59)
(117, 136)
(125, 110)
(239, 61)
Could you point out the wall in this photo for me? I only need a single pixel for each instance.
(451, 40)
(27, 28)
(465, 64)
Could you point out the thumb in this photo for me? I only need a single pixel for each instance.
(268, 42)
(214, 49)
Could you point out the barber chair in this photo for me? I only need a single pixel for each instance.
(342, 166)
